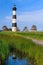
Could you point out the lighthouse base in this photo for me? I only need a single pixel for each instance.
(14, 29)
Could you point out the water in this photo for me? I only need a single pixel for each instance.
(17, 61)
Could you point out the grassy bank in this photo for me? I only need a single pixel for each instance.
(33, 52)
(35, 35)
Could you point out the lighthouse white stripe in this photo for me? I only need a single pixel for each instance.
(13, 20)
(14, 29)
(14, 12)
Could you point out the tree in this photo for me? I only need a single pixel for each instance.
(10, 29)
(18, 29)
(25, 29)
(33, 28)
(5, 28)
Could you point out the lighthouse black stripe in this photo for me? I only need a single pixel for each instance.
(14, 24)
(14, 8)
(14, 16)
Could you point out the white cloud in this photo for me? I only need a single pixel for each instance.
(36, 16)
(8, 17)
(31, 16)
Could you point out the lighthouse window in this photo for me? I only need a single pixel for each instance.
(14, 24)
(14, 16)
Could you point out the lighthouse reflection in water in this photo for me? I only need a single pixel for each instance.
(16, 61)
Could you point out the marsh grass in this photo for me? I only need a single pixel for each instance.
(34, 35)
(22, 47)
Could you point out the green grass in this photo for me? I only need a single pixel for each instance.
(35, 35)
(33, 51)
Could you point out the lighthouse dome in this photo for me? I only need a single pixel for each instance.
(14, 7)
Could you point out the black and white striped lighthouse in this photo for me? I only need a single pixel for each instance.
(14, 23)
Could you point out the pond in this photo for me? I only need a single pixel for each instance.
(13, 60)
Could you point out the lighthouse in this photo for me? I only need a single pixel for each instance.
(14, 19)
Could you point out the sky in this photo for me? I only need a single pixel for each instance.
(28, 12)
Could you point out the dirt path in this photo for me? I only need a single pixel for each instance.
(37, 41)
(34, 40)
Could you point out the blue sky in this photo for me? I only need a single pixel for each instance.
(29, 12)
